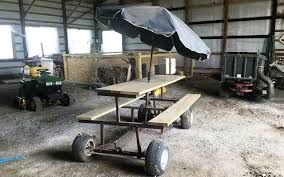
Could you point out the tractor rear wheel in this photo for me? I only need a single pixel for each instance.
(35, 104)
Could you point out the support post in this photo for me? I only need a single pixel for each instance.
(147, 105)
(274, 16)
(272, 28)
(150, 67)
(225, 31)
(102, 134)
(170, 62)
(122, 2)
(117, 109)
(65, 26)
(154, 103)
(138, 143)
(132, 115)
(139, 65)
(23, 27)
(188, 63)
(96, 30)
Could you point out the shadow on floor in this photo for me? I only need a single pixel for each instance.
(126, 164)
(58, 154)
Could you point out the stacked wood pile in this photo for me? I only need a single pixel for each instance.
(105, 68)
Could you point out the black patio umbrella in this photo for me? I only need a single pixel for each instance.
(157, 27)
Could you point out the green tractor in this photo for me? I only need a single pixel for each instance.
(41, 90)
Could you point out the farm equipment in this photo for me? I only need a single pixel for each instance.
(41, 89)
(243, 75)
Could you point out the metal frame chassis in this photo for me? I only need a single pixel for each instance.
(132, 124)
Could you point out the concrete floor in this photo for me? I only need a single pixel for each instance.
(231, 137)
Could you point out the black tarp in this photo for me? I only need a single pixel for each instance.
(156, 26)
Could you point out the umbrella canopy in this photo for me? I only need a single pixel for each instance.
(156, 26)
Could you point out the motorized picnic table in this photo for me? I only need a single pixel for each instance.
(149, 116)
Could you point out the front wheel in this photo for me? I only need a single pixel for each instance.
(82, 147)
(157, 158)
(186, 119)
(66, 100)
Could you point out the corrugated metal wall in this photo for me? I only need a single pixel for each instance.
(205, 17)
(42, 13)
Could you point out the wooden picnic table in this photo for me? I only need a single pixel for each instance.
(149, 116)
(138, 87)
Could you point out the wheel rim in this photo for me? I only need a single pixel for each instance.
(164, 159)
(90, 146)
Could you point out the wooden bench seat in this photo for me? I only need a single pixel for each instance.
(106, 109)
(167, 117)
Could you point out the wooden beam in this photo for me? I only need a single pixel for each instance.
(80, 16)
(274, 16)
(225, 31)
(30, 6)
(123, 2)
(188, 63)
(96, 29)
(225, 27)
(74, 9)
(65, 26)
(23, 27)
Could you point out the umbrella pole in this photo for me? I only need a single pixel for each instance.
(149, 72)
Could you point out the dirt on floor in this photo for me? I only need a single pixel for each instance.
(232, 137)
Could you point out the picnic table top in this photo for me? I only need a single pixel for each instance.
(139, 87)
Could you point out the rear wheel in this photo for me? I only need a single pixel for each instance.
(186, 119)
(82, 147)
(157, 158)
(35, 104)
(17, 103)
(66, 100)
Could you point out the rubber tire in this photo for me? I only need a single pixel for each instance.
(66, 100)
(79, 147)
(153, 158)
(16, 103)
(142, 113)
(37, 103)
(186, 119)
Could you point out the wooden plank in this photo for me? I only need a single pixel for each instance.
(106, 108)
(140, 86)
(139, 66)
(167, 117)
